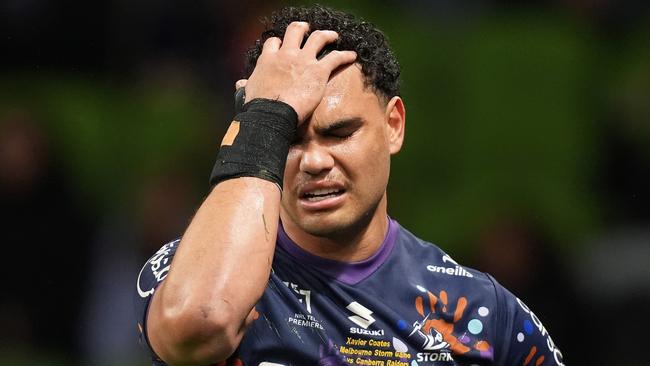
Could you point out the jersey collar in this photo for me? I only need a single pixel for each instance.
(350, 273)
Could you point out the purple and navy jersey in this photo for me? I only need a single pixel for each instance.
(409, 304)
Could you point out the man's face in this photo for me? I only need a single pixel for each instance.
(337, 169)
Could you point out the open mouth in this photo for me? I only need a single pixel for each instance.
(322, 194)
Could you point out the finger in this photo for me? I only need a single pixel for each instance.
(294, 34)
(240, 83)
(271, 44)
(318, 39)
(336, 58)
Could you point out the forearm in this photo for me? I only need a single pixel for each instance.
(220, 270)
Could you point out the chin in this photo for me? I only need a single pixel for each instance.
(333, 224)
(323, 225)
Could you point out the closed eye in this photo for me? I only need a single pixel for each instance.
(341, 129)
(342, 133)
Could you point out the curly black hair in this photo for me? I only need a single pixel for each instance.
(378, 63)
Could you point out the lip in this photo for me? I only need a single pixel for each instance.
(326, 204)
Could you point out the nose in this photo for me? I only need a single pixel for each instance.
(315, 159)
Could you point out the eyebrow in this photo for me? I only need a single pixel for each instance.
(339, 124)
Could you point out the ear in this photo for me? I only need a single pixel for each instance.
(396, 123)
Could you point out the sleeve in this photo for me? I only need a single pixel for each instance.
(526, 341)
(151, 275)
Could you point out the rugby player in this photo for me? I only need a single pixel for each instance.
(292, 258)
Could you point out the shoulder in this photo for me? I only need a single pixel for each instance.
(436, 261)
(525, 336)
(514, 333)
(461, 304)
(478, 313)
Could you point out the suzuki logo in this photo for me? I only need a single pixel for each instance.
(364, 315)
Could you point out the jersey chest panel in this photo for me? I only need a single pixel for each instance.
(305, 318)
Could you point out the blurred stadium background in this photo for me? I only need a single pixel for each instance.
(527, 155)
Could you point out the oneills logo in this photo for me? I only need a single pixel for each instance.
(456, 270)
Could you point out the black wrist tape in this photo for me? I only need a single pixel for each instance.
(257, 142)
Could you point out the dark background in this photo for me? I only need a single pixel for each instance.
(527, 155)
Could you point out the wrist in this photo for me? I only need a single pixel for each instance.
(260, 144)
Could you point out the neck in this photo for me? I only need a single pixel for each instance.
(355, 243)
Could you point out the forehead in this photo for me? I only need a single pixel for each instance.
(346, 96)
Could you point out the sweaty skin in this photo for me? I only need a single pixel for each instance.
(199, 314)
(333, 101)
(344, 147)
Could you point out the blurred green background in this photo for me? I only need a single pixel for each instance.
(527, 155)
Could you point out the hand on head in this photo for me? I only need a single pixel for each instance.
(294, 75)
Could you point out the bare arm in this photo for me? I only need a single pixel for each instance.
(198, 315)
